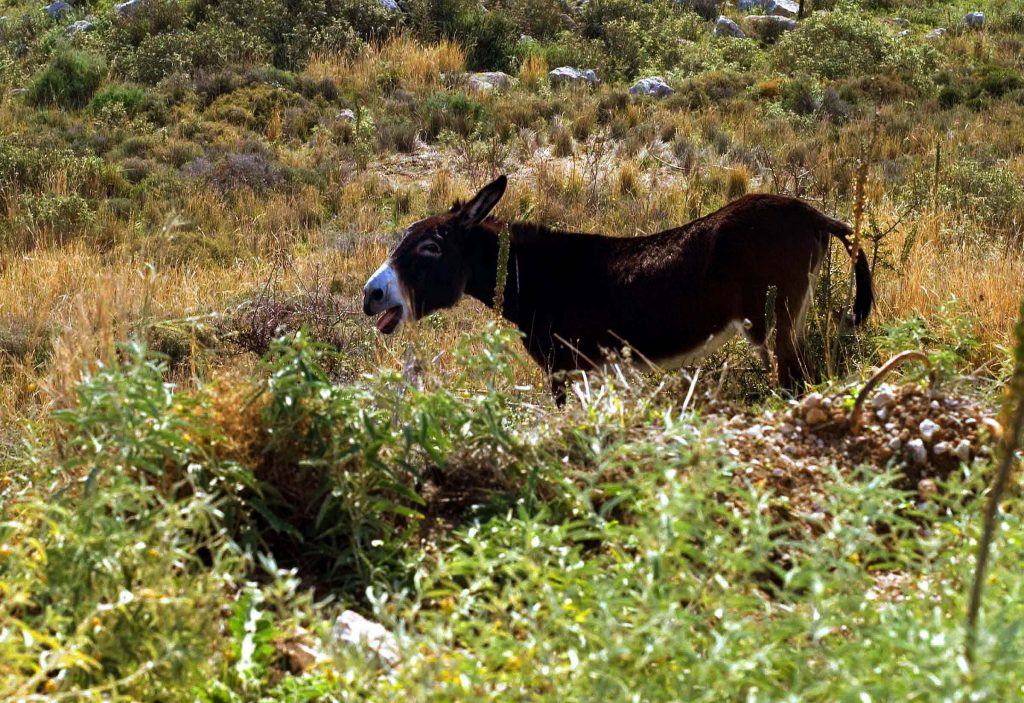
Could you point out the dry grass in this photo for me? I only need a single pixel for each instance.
(416, 67)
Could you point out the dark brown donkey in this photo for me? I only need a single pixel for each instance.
(670, 296)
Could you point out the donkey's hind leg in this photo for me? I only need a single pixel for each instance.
(790, 350)
(755, 325)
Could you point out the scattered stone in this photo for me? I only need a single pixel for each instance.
(895, 444)
(130, 7)
(813, 400)
(57, 9)
(784, 8)
(928, 429)
(993, 426)
(917, 452)
(748, 5)
(725, 27)
(567, 75)
(816, 416)
(883, 399)
(975, 20)
(962, 451)
(347, 115)
(655, 86)
(926, 488)
(353, 629)
(768, 26)
(903, 33)
(489, 82)
(79, 26)
(941, 448)
(390, 5)
(936, 33)
(900, 22)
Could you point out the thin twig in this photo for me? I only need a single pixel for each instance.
(877, 377)
(1010, 444)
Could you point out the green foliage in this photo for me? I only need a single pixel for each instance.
(637, 35)
(69, 80)
(131, 99)
(490, 38)
(448, 111)
(847, 42)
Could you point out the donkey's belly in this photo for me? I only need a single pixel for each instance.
(691, 355)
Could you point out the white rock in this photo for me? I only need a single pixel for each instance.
(354, 630)
(917, 452)
(962, 451)
(655, 85)
(390, 5)
(895, 443)
(936, 33)
(79, 26)
(900, 22)
(903, 33)
(814, 400)
(347, 115)
(489, 81)
(566, 75)
(941, 448)
(769, 25)
(725, 27)
(975, 20)
(128, 8)
(928, 429)
(784, 8)
(883, 399)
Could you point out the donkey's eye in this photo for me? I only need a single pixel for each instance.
(430, 248)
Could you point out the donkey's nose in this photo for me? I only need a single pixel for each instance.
(372, 294)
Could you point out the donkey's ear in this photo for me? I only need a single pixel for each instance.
(474, 212)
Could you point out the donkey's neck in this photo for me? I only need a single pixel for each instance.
(482, 254)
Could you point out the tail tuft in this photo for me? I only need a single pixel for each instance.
(864, 299)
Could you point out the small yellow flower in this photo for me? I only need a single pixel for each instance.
(50, 686)
(32, 388)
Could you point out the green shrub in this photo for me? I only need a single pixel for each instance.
(210, 47)
(637, 35)
(69, 79)
(455, 111)
(490, 38)
(847, 42)
(131, 99)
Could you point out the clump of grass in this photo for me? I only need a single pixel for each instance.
(561, 140)
(627, 181)
(533, 74)
(69, 80)
(737, 182)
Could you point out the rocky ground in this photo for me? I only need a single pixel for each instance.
(927, 431)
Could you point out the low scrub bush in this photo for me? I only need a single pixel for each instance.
(69, 80)
(847, 42)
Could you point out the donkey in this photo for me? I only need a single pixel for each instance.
(671, 296)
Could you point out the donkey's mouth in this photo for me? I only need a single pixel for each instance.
(389, 320)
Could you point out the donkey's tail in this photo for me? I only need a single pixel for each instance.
(864, 299)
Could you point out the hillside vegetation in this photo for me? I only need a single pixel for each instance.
(209, 453)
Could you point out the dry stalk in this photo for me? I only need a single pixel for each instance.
(1014, 424)
(879, 375)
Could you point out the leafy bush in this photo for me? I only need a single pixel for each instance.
(131, 99)
(847, 42)
(637, 35)
(456, 112)
(490, 38)
(208, 47)
(69, 79)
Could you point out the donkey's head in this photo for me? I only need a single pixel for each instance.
(428, 270)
